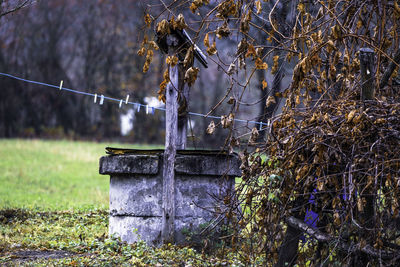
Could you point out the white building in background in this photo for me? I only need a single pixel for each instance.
(127, 120)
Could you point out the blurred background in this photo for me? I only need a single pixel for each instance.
(92, 46)
(51, 140)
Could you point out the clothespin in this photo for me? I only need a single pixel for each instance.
(138, 107)
(261, 124)
(61, 84)
(147, 109)
(95, 98)
(101, 100)
(120, 103)
(127, 98)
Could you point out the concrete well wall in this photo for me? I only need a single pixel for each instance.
(202, 180)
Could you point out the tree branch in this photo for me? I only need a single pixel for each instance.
(350, 248)
(14, 9)
(390, 69)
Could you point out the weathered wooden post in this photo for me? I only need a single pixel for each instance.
(171, 133)
(176, 43)
(367, 73)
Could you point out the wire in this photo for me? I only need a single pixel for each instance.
(261, 124)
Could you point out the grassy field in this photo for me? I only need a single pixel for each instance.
(56, 175)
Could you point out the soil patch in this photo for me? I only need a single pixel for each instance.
(21, 256)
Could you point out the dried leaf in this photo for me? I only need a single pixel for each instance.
(180, 22)
(226, 121)
(172, 60)
(274, 68)
(264, 85)
(270, 100)
(260, 65)
(223, 31)
(258, 6)
(141, 51)
(297, 100)
(153, 45)
(211, 128)
(148, 20)
(251, 51)
(231, 69)
(149, 58)
(212, 50)
(350, 115)
(189, 58)
(163, 27)
(191, 75)
(301, 8)
(254, 136)
(206, 41)
(242, 47)
(231, 100)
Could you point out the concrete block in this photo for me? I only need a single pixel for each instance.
(202, 180)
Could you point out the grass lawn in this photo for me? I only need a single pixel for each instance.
(56, 175)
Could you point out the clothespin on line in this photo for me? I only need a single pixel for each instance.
(101, 100)
(61, 84)
(120, 103)
(95, 98)
(147, 109)
(261, 124)
(138, 108)
(127, 98)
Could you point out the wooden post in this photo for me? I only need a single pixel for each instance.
(367, 73)
(171, 132)
(183, 107)
(177, 95)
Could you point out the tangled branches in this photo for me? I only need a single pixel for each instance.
(341, 161)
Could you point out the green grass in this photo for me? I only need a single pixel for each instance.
(55, 175)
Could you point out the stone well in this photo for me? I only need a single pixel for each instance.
(202, 180)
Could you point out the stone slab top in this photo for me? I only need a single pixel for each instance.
(190, 162)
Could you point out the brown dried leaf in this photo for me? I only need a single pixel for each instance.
(223, 31)
(258, 6)
(189, 58)
(254, 135)
(172, 60)
(350, 115)
(163, 27)
(231, 69)
(153, 45)
(212, 50)
(180, 22)
(206, 41)
(231, 100)
(264, 85)
(141, 51)
(251, 51)
(148, 20)
(211, 128)
(270, 100)
(226, 121)
(274, 68)
(260, 65)
(191, 75)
